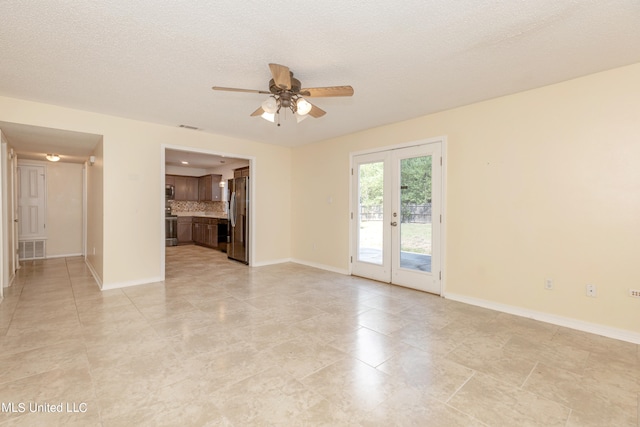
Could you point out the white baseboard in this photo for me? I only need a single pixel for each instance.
(580, 325)
(321, 266)
(95, 275)
(63, 256)
(302, 262)
(120, 285)
(271, 262)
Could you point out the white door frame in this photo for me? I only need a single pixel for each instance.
(14, 214)
(3, 217)
(353, 208)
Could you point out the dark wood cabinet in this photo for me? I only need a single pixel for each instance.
(205, 231)
(196, 189)
(185, 230)
(240, 172)
(186, 187)
(209, 188)
(181, 187)
(192, 188)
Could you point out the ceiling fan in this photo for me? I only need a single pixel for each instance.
(287, 92)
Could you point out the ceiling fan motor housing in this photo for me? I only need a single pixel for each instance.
(295, 86)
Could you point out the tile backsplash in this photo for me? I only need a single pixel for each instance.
(182, 206)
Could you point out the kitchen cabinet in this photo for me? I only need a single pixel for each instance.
(209, 188)
(170, 180)
(205, 231)
(185, 230)
(237, 173)
(186, 187)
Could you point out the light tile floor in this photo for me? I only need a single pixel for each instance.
(222, 344)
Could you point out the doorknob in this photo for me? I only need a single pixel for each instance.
(394, 223)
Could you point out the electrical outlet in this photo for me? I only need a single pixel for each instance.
(591, 291)
(634, 293)
(548, 284)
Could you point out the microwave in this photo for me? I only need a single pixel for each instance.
(169, 192)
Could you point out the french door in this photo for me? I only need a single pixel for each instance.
(397, 216)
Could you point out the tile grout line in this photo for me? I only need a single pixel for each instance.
(566, 424)
(86, 349)
(446, 402)
(461, 386)
(528, 376)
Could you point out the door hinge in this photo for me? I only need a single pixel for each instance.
(441, 219)
(440, 161)
(351, 215)
(351, 259)
(440, 276)
(352, 171)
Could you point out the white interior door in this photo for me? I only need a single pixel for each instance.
(31, 202)
(397, 216)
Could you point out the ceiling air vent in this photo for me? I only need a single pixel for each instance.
(189, 127)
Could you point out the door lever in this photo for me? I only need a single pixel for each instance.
(394, 223)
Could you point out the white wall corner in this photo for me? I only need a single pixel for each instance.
(120, 285)
(95, 275)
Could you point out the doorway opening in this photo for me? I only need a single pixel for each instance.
(197, 188)
(70, 212)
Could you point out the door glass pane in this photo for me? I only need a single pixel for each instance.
(370, 224)
(415, 213)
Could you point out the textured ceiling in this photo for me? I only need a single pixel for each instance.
(156, 60)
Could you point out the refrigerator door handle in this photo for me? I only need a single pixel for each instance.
(232, 209)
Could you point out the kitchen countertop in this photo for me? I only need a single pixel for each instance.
(219, 215)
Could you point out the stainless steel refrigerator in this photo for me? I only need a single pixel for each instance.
(238, 247)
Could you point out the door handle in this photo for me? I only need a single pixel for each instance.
(394, 223)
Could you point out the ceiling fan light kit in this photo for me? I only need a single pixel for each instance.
(270, 117)
(286, 91)
(270, 105)
(303, 106)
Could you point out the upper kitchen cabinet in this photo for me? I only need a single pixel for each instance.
(186, 187)
(209, 188)
(237, 173)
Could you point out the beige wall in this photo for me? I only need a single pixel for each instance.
(64, 209)
(541, 184)
(95, 214)
(133, 191)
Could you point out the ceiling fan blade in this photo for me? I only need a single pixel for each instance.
(281, 76)
(316, 112)
(258, 112)
(233, 89)
(327, 91)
